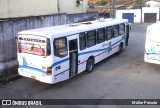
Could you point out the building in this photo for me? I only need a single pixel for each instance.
(145, 15)
(150, 14)
(24, 8)
(133, 15)
(105, 10)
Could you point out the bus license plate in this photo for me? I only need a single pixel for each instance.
(33, 77)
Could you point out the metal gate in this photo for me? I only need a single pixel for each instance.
(129, 16)
(150, 17)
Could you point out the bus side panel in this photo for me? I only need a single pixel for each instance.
(102, 54)
(82, 63)
(60, 69)
(99, 51)
(84, 56)
(103, 50)
(111, 47)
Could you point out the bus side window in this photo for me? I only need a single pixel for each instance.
(91, 38)
(101, 35)
(115, 31)
(121, 29)
(60, 46)
(109, 33)
(82, 39)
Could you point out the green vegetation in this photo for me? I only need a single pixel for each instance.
(138, 4)
(102, 3)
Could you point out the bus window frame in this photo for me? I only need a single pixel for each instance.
(55, 50)
(123, 29)
(80, 40)
(18, 40)
(115, 27)
(94, 38)
(104, 35)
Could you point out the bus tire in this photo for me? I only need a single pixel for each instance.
(120, 48)
(89, 65)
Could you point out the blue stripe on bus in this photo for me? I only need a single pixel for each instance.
(32, 68)
(64, 60)
(99, 49)
(93, 51)
(152, 53)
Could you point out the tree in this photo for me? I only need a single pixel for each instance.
(138, 4)
(102, 2)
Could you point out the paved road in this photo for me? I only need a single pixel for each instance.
(123, 76)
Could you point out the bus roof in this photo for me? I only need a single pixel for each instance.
(74, 28)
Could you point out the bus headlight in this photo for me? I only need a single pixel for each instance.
(147, 52)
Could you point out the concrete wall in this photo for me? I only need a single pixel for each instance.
(10, 28)
(80, 17)
(70, 6)
(23, 8)
(137, 14)
(150, 10)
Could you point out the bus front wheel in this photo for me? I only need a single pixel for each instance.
(89, 65)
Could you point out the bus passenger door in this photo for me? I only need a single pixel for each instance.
(73, 55)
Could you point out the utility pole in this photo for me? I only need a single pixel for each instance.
(58, 6)
(112, 9)
(82, 6)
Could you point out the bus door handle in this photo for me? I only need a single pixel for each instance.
(73, 51)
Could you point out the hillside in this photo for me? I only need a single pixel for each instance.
(119, 2)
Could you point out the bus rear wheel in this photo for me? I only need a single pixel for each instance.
(89, 65)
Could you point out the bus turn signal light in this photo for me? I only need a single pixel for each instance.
(49, 70)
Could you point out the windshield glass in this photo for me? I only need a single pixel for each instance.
(154, 34)
(32, 45)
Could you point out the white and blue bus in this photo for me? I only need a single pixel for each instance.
(152, 45)
(55, 54)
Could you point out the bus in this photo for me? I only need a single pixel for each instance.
(54, 54)
(152, 44)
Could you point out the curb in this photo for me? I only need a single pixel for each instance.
(9, 78)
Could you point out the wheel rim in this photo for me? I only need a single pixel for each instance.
(90, 66)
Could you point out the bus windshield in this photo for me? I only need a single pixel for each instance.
(153, 33)
(32, 45)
